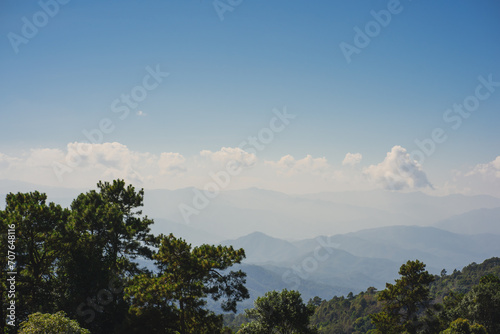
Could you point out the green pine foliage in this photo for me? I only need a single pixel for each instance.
(235, 321)
(452, 297)
(463, 326)
(82, 260)
(279, 312)
(460, 282)
(347, 315)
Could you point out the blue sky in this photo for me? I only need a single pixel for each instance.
(226, 76)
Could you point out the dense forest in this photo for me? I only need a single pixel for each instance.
(76, 270)
(447, 303)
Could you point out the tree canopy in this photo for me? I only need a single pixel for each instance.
(38, 228)
(281, 313)
(404, 300)
(78, 260)
(39, 323)
(463, 326)
(185, 278)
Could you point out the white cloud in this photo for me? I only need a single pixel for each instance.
(172, 162)
(352, 159)
(86, 155)
(43, 157)
(103, 161)
(6, 161)
(82, 165)
(480, 179)
(490, 169)
(288, 165)
(398, 171)
(227, 154)
(141, 113)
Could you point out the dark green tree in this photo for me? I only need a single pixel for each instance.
(104, 234)
(281, 313)
(405, 300)
(186, 277)
(37, 234)
(316, 301)
(482, 304)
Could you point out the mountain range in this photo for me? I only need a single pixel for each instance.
(326, 266)
(323, 244)
(235, 213)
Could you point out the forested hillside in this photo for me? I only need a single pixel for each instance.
(351, 314)
(80, 270)
(450, 297)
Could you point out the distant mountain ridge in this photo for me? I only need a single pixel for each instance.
(437, 248)
(485, 220)
(235, 213)
(263, 249)
(357, 260)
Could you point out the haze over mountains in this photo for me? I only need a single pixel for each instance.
(335, 265)
(240, 212)
(235, 213)
(324, 244)
(484, 220)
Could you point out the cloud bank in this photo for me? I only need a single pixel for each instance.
(352, 159)
(82, 165)
(490, 169)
